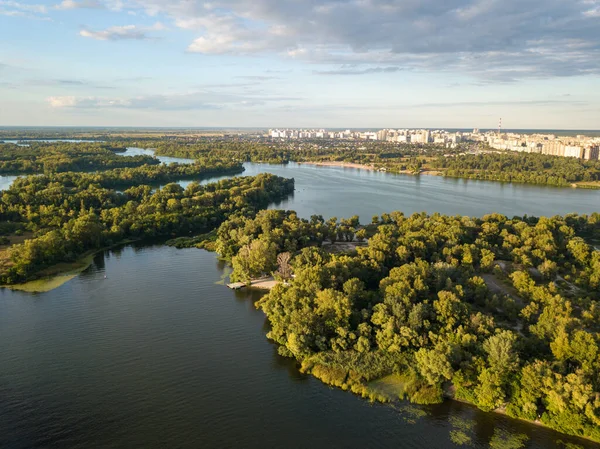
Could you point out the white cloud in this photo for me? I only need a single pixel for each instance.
(11, 8)
(196, 100)
(127, 32)
(24, 7)
(62, 102)
(72, 4)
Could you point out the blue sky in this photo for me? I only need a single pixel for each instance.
(301, 63)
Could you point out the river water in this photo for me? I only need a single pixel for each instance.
(160, 354)
(344, 192)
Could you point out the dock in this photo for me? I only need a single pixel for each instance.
(266, 283)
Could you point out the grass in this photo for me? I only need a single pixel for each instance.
(55, 276)
(391, 386)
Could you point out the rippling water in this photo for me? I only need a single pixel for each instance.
(160, 355)
(133, 151)
(344, 192)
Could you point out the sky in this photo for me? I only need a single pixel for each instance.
(301, 63)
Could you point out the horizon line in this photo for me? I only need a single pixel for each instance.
(108, 127)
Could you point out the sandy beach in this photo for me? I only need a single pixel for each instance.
(341, 164)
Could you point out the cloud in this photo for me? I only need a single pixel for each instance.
(65, 83)
(487, 104)
(62, 102)
(353, 70)
(11, 8)
(490, 39)
(198, 100)
(24, 7)
(127, 32)
(83, 4)
(258, 77)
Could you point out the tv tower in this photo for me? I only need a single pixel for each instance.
(500, 126)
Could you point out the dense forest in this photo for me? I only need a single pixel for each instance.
(520, 167)
(41, 157)
(281, 152)
(67, 214)
(126, 177)
(502, 313)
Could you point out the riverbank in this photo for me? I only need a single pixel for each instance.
(592, 185)
(393, 388)
(371, 167)
(56, 275)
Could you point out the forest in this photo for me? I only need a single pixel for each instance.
(41, 157)
(65, 215)
(126, 177)
(503, 313)
(281, 152)
(520, 167)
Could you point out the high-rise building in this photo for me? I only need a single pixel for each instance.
(382, 135)
(591, 152)
(573, 151)
(554, 148)
(426, 136)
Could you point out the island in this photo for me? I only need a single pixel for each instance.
(501, 313)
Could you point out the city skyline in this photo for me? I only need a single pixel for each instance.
(261, 63)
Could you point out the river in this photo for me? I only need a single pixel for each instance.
(343, 192)
(160, 354)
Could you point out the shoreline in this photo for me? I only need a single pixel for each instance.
(373, 393)
(391, 396)
(59, 274)
(369, 168)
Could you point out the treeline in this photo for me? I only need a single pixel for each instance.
(39, 157)
(126, 177)
(520, 167)
(72, 213)
(503, 313)
(282, 152)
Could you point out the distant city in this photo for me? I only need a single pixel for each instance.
(580, 146)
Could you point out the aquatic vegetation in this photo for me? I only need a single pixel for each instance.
(503, 439)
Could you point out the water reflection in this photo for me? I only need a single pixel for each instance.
(134, 151)
(160, 355)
